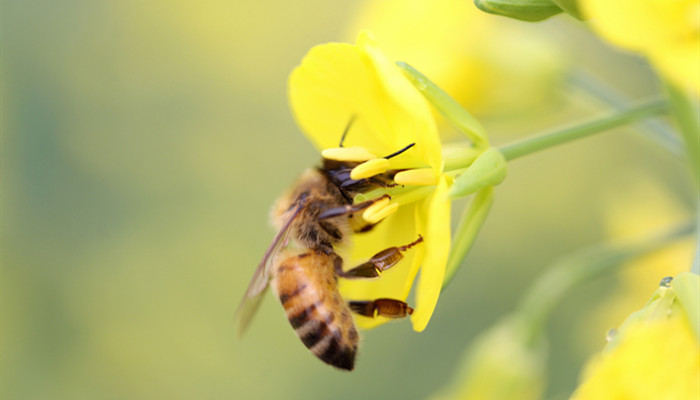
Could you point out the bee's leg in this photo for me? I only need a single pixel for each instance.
(365, 228)
(349, 209)
(389, 308)
(381, 261)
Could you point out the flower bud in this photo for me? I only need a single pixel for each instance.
(525, 10)
(570, 7)
(489, 169)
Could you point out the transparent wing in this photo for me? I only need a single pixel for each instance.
(258, 285)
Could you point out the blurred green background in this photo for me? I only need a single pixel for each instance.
(143, 144)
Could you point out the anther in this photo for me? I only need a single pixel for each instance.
(379, 210)
(416, 177)
(370, 168)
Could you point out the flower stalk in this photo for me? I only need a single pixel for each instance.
(532, 145)
(480, 167)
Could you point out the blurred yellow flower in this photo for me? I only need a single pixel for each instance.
(655, 354)
(654, 361)
(337, 83)
(500, 365)
(665, 31)
(466, 52)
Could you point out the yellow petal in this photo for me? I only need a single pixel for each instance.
(665, 31)
(338, 83)
(438, 38)
(437, 248)
(420, 127)
(327, 91)
(396, 230)
(618, 21)
(653, 360)
(680, 63)
(355, 153)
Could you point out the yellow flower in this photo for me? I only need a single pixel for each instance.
(466, 52)
(665, 31)
(654, 361)
(337, 83)
(655, 354)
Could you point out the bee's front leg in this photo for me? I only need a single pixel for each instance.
(349, 209)
(379, 262)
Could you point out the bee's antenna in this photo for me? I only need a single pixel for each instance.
(347, 128)
(400, 151)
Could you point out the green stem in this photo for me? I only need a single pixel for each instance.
(532, 145)
(684, 111)
(657, 130)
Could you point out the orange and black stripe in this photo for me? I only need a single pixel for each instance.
(306, 286)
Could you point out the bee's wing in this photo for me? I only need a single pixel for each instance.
(258, 285)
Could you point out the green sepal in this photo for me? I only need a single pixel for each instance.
(524, 10)
(489, 169)
(469, 226)
(687, 287)
(570, 7)
(460, 118)
(457, 156)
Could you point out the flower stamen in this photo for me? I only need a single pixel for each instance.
(379, 210)
(416, 177)
(370, 168)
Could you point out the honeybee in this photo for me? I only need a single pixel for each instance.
(314, 219)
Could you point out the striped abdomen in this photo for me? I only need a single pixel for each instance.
(306, 287)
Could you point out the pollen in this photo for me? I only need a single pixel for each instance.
(370, 168)
(416, 177)
(379, 210)
(355, 153)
